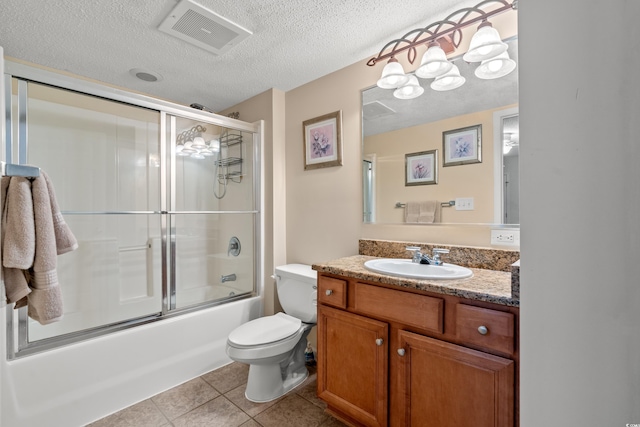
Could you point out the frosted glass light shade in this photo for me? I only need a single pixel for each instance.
(198, 142)
(448, 81)
(434, 62)
(410, 90)
(496, 67)
(485, 44)
(393, 75)
(182, 153)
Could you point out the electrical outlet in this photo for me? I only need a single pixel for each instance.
(505, 237)
(464, 203)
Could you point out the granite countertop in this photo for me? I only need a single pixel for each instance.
(485, 285)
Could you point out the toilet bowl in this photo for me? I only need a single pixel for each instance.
(274, 346)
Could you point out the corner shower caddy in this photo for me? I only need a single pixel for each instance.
(230, 159)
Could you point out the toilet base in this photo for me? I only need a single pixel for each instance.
(268, 382)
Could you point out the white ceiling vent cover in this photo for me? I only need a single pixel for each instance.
(201, 27)
(375, 110)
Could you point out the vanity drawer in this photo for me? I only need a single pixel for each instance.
(332, 291)
(485, 327)
(410, 309)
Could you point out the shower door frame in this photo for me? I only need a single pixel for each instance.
(18, 344)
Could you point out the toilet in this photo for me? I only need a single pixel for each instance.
(273, 346)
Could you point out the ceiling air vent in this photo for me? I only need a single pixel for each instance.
(375, 110)
(201, 27)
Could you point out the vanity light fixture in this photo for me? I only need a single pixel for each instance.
(485, 44)
(434, 62)
(496, 67)
(393, 75)
(510, 140)
(190, 143)
(410, 90)
(449, 81)
(485, 47)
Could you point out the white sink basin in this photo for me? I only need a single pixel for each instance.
(406, 268)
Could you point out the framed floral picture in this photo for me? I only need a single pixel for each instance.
(462, 146)
(323, 141)
(421, 168)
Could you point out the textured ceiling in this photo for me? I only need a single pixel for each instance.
(293, 42)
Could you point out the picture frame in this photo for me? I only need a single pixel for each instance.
(462, 146)
(421, 168)
(322, 137)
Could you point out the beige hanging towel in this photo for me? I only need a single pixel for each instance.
(411, 211)
(427, 211)
(18, 236)
(52, 237)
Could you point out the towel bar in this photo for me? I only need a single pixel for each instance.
(10, 169)
(443, 204)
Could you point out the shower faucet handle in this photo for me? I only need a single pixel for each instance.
(234, 246)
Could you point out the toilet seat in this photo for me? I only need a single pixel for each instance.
(264, 330)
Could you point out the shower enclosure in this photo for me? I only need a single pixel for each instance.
(163, 200)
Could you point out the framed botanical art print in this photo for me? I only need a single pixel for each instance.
(462, 146)
(323, 141)
(421, 168)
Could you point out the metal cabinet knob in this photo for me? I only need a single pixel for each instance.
(329, 292)
(483, 330)
(401, 351)
(379, 341)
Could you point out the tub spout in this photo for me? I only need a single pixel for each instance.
(228, 278)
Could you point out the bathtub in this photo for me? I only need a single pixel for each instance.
(83, 382)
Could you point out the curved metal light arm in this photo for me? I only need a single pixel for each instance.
(188, 135)
(451, 26)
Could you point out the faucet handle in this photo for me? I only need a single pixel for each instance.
(416, 254)
(436, 255)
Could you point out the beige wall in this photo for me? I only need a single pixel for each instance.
(324, 206)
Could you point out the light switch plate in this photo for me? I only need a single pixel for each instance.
(464, 204)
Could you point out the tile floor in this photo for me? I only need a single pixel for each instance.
(217, 399)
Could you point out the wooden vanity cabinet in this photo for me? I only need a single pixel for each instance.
(389, 356)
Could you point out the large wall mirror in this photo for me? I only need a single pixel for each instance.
(395, 131)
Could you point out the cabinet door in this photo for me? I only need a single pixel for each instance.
(352, 365)
(443, 384)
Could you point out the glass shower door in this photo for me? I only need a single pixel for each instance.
(213, 212)
(103, 159)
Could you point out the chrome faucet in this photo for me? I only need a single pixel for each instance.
(420, 258)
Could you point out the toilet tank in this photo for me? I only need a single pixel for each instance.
(298, 291)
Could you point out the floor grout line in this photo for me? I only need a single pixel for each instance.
(272, 413)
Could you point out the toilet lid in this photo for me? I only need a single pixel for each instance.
(265, 330)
